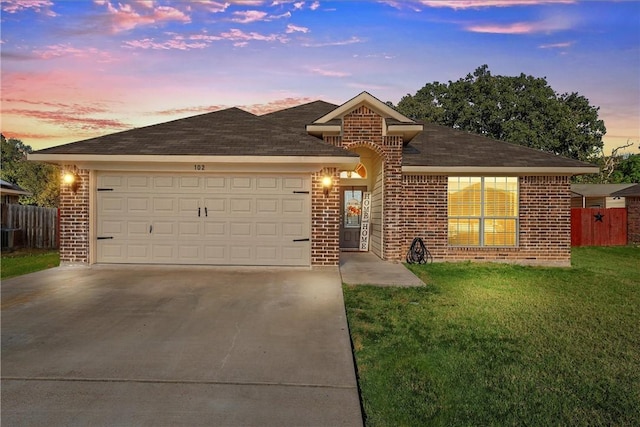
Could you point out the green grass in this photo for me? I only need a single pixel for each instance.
(495, 344)
(27, 261)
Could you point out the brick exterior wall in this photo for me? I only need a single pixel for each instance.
(363, 127)
(325, 220)
(74, 221)
(413, 205)
(633, 220)
(545, 221)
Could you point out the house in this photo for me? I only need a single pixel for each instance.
(286, 188)
(10, 193)
(597, 195)
(631, 195)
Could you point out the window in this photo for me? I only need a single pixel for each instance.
(483, 211)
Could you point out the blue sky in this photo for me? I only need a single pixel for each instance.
(76, 69)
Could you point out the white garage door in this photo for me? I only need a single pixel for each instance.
(203, 219)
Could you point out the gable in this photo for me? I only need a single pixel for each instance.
(393, 122)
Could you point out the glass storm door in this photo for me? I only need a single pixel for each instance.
(351, 216)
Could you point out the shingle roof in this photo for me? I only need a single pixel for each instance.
(234, 132)
(443, 146)
(230, 132)
(631, 191)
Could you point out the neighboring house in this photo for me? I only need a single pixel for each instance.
(631, 195)
(10, 193)
(286, 188)
(597, 195)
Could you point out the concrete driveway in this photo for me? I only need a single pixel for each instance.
(176, 346)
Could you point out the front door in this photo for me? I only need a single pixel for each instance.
(351, 216)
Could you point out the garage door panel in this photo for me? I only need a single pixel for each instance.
(216, 206)
(137, 183)
(268, 230)
(164, 183)
(244, 220)
(137, 229)
(138, 206)
(215, 229)
(270, 184)
(295, 184)
(113, 205)
(294, 206)
(240, 229)
(241, 206)
(266, 207)
(189, 230)
(138, 252)
(244, 183)
(165, 206)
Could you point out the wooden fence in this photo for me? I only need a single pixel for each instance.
(29, 226)
(598, 227)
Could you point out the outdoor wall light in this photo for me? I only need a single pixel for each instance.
(327, 185)
(72, 180)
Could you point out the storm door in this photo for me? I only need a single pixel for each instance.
(351, 216)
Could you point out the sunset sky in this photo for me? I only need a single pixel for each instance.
(77, 69)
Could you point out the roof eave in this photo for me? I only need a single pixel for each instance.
(221, 163)
(498, 170)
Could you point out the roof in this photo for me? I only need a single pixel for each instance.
(295, 134)
(229, 132)
(441, 146)
(598, 190)
(632, 191)
(10, 188)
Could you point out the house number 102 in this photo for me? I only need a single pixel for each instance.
(198, 167)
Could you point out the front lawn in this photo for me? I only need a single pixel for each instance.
(494, 344)
(27, 261)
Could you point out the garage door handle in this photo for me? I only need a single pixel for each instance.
(206, 213)
(150, 228)
(198, 211)
(105, 238)
(300, 240)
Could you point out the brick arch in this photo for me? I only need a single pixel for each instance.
(367, 144)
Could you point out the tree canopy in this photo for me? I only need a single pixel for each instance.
(40, 179)
(522, 110)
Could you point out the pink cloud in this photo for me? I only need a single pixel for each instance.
(125, 17)
(190, 110)
(295, 29)
(72, 119)
(25, 135)
(352, 40)
(241, 38)
(315, 5)
(276, 105)
(177, 43)
(61, 50)
(475, 4)
(329, 73)
(14, 6)
(209, 5)
(556, 45)
(247, 16)
(520, 27)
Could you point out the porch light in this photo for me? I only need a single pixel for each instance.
(72, 180)
(327, 184)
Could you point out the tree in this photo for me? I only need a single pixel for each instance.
(628, 170)
(40, 179)
(523, 110)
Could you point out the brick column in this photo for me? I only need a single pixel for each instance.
(633, 219)
(74, 220)
(325, 218)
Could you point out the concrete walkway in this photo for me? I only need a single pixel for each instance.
(192, 346)
(365, 268)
